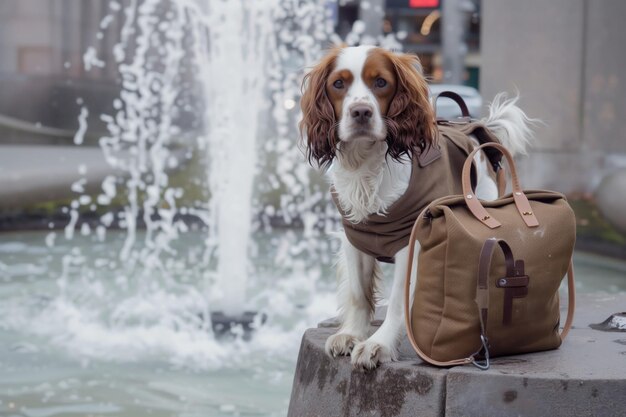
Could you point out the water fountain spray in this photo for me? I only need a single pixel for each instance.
(213, 83)
(234, 70)
(234, 67)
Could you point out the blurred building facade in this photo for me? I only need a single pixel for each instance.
(566, 58)
(43, 78)
(59, 57)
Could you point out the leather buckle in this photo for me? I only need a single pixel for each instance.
(512, 282)
(515, 286)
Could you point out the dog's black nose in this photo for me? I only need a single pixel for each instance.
(361, 114)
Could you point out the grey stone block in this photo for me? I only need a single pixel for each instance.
(516, 395)
(325, 387)
(586, 376)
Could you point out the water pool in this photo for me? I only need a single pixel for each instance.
(80, 338)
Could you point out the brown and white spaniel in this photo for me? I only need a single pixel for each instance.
(366, 113)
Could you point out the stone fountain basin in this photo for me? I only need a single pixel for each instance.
(586, 376)
(38, 121)
(31, 174)
(44, 109)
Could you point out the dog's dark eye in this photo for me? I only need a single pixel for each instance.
(380, 83)
(338, 84)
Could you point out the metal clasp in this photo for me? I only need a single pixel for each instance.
(484, 365)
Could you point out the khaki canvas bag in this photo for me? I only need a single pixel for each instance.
(489, 273)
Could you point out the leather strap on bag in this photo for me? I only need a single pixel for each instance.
(482, 299)
(571, 301)
(481, 134)
(474, 205)
(456, 98)
(484, 265)
(482, 289)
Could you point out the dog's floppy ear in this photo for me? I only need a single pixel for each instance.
(318, 126)
(410, 118)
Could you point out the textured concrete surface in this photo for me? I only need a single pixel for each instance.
(585, 377)
(325, 387)
(563, 56)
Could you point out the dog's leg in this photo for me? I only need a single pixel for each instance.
(358, 274)
(382, 345)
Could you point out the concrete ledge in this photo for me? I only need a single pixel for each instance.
(586, 376)
(329, 387)
(31, 174)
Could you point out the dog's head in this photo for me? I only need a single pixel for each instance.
(365, 93)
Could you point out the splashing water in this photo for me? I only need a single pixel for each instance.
(234, 70)
(203, 129)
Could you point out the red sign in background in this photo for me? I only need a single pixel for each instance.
(423, 3)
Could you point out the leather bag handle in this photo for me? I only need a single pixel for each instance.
(571, 305)
(456, 98)
(474, 205)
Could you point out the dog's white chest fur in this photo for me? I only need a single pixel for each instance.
(366, 182)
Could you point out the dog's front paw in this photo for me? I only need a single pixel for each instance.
(340, 344)
(369, 354)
